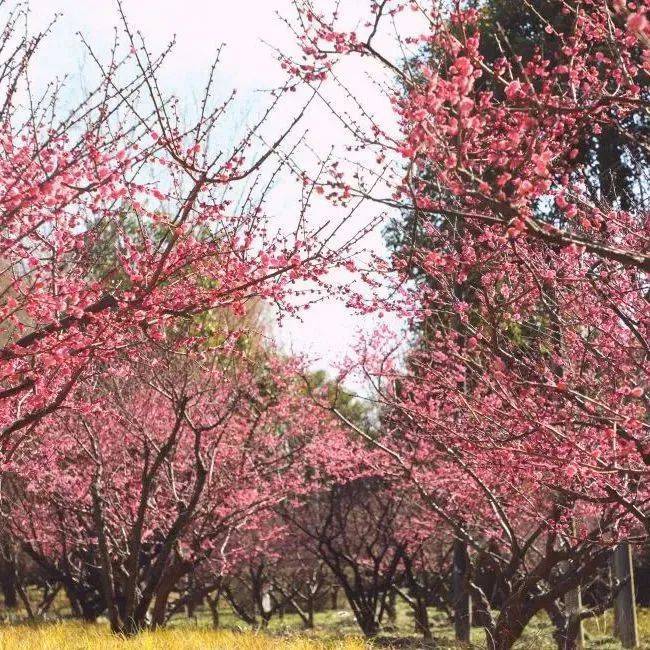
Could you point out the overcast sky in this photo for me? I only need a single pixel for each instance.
(248, 63)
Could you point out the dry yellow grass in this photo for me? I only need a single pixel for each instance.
(76, 636)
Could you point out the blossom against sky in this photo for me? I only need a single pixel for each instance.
(250, 29)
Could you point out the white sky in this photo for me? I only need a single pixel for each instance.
(328, 330)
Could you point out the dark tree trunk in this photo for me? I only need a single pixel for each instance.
(213, 604)
(309, 622)
(8, 574)
(194, 600)
(9, 591)
(461, 593)
(26, 603)
(566, 632)
(421, 616)
(624, 604)
(335, 597)
(391, 610)
(368, 624)
(509, 627)
(364, 610)
(88, 613)
(612, 176)
(505, 637)
(165, 587)
(159, 608)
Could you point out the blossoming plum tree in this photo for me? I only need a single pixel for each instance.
(147, 482)
(520, 414)
(97, 257)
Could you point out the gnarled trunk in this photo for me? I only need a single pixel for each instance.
(509, 627)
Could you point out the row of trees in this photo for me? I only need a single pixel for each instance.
(156, 454)
(358, 543)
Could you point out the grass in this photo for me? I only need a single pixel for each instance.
(335, 630)
(76, 636)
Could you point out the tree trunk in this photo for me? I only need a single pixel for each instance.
(461, 593)
(8, 574)
(159, 608)
(9, 590)
(213, 604)
(163, 591)
(88, 614)
(309, 623)
(391, 610)
(574, 628)
(368, 624)
(48, 599)
(24, 596)
(508, 630)
(75, 606)
(504, 640)
(335, 597)
(364, 610)
(421, 616)
(105, 564)
(624, 605)
(562, 634)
